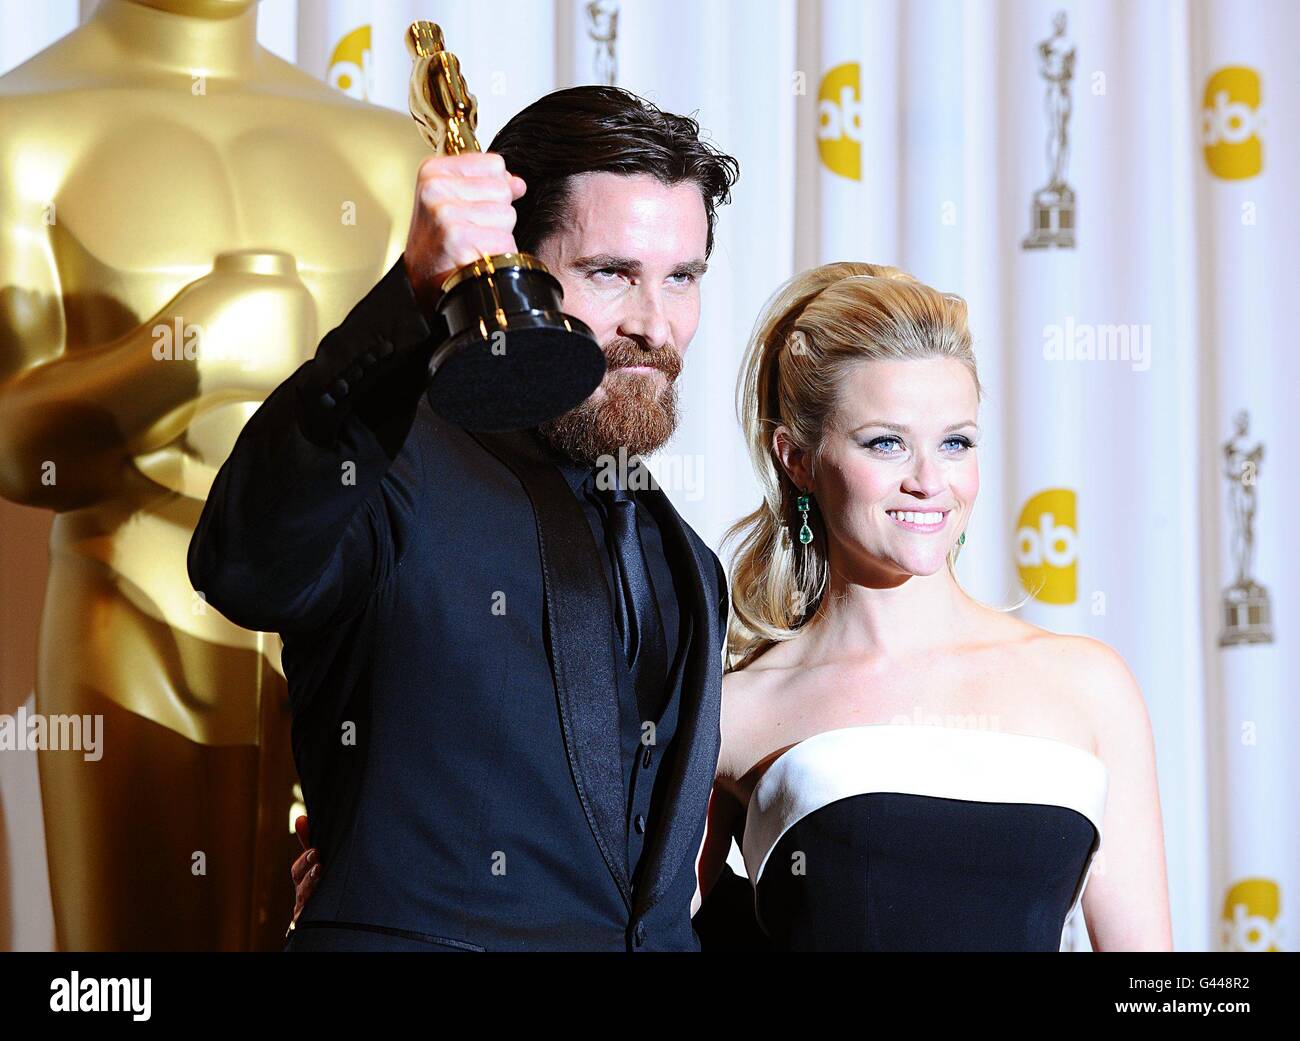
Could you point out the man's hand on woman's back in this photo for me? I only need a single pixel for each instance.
(305, 870)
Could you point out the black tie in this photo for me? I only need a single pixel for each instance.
(637, 614)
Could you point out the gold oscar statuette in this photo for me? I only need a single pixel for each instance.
(164, 266)
(512, 358)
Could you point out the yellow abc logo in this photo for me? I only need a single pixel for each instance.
(1047, 546)
(350, 64)
(1231, 121)
(1250, 916)
(839, 120)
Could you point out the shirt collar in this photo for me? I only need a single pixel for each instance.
(576, 473)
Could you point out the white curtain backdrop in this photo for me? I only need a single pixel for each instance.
(916, 133)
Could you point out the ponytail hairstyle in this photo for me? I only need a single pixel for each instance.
(811, 334)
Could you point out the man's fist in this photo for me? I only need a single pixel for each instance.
(462, 211)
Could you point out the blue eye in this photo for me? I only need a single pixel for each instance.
(689, 278)
(953, 445)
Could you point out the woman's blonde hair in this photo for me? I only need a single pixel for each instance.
(812, 332)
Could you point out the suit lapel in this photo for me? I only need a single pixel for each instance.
(581, 635)
(694, 761)
(580, 627)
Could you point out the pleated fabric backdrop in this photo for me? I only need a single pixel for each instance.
(1106, 184)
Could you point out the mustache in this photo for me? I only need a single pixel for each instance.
(623, 351)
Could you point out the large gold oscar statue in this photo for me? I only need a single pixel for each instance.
(168, 185)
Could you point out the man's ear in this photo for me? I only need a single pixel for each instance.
(794, 460)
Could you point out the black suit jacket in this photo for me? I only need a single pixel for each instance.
(448, 643)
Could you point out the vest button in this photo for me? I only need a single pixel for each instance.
(640, 823)
(638, 934)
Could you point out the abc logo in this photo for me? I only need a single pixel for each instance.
(1250, 912)
(350, 64)
(1231, 121)
(1047, 546)
(839, 120)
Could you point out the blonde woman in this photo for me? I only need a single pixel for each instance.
(863, 825)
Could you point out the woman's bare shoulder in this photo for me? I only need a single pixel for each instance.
(1093, 667)
(1104, 680)
(1098, 679)
(747, 704)
(1073, 655)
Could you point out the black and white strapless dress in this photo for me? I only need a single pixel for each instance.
(901, 837)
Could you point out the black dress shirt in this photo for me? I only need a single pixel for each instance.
(642, 750)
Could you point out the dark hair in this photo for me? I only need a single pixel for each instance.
(598, 129)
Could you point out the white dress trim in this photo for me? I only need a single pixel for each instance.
(917, 759)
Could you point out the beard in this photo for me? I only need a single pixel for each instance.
(638, 412)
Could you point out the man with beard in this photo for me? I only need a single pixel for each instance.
(503, 657)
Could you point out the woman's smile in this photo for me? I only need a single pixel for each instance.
(923, 521)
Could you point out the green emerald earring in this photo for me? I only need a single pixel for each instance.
(805, 532)
(961, 539)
